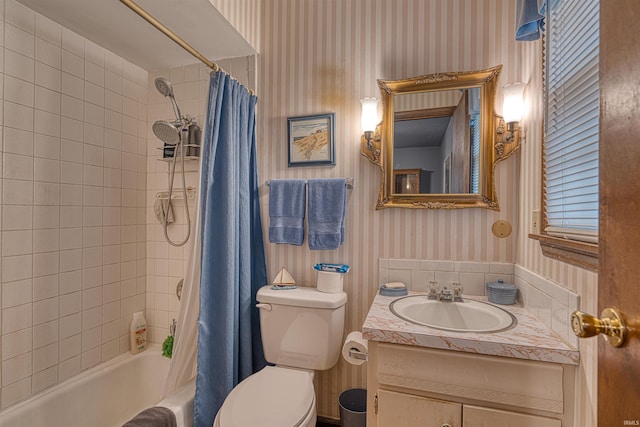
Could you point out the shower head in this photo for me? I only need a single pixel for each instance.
(164, 86)
(166, 132)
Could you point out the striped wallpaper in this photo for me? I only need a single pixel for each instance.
(320, 56)
(580, 281)
(324, 56)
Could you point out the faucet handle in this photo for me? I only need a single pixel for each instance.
(457, 291)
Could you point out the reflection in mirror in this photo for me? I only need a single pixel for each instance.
(437, 142)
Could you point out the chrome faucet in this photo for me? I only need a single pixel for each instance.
(445, 294)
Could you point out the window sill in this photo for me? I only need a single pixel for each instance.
(573, 252)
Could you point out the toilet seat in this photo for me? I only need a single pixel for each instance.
(273, 397)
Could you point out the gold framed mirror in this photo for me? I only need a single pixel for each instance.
(439, 141)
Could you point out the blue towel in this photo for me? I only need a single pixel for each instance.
(327, 211)
(530, 19)
(287, 200)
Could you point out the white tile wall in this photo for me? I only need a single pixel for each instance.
(79, 244)
(162, 304)
(166, 264)
(69, 231)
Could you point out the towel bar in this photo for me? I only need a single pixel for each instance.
(349, 183)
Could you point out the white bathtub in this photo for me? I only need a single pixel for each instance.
(106, 395)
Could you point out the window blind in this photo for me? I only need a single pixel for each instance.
(571, 140)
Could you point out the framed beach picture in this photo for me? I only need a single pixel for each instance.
(311, 140)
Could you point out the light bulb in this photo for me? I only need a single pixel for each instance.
(513, 104)
(369, 118)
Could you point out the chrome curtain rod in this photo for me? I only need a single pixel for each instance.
(167, 32)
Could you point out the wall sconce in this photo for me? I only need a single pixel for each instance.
(370, 141)
(369, 119)
(512, 109)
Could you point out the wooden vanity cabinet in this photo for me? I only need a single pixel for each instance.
(474, 416)
(411, 386)
(402, 409)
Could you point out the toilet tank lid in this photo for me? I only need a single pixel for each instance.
(301, 297)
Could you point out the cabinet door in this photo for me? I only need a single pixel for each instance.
(407, 410)
(474, 416)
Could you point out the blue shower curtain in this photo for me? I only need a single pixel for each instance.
(233, 257)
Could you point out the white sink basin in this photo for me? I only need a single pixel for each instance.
(466, 316)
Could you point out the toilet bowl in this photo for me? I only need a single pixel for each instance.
(273, 397)
(301, 332)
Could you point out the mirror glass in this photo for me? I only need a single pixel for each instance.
(436, 147)
(439, 141)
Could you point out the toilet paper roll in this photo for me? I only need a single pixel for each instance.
(355, 341)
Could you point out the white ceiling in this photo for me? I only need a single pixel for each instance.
(420, 132)
(112, 25)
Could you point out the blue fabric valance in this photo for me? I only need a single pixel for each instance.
(529, 19)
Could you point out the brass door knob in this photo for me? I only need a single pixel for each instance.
(611, 324)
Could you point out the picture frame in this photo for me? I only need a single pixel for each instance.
(311, 140)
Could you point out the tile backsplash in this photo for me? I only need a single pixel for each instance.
(417, 274)
(547, 300)
(551, 302)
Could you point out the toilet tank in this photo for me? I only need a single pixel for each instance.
(302, 327)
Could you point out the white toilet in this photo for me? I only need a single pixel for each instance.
(301, 332)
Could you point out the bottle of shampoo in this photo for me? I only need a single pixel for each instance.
(138, 333)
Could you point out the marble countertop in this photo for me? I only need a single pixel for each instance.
(529, 339)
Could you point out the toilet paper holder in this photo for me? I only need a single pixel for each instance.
(357, 354)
